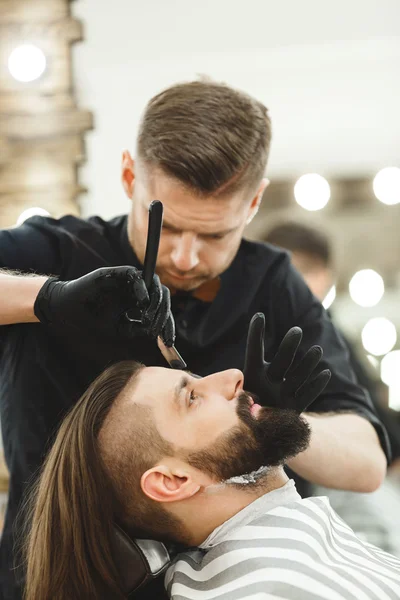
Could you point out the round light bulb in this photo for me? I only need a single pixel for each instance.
(27, 63)
(379, 336)
(394, 396)
(386, 185)
(31, 212)
(390, 368)
(312, 191)
(366, 287)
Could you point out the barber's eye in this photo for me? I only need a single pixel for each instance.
(215, 236)
(192, 398)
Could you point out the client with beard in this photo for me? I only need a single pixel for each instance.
(195, 461)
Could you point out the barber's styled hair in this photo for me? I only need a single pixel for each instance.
(212, 138)
(68, 539)
(297, 237)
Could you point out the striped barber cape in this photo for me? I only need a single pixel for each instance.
(288, 548)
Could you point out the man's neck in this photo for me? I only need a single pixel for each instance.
(219, 503)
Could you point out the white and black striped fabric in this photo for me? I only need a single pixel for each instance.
(299, 550)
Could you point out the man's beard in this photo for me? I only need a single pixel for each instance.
(268, 440)
(188, 285)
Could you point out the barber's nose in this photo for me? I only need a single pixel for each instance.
(229, 383)
(185, 256)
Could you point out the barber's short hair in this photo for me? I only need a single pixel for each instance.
(212, 138)
(300, 238)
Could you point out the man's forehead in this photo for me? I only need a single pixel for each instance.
(154, 381)
(180, 201)
(166, 374)
(157, 382)
(161, 372)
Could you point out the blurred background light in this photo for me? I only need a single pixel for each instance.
(386, 185)
(312, 191)
(394, 396)
(31, 212)
(329, 298)
(27, 63)
(373, 361)
(378, 336)
(390, 374)
(390, 368)
(366, 287)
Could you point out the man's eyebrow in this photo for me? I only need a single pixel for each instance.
(181, 385)
(216, 233)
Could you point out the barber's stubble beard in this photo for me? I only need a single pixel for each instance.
(268, 440)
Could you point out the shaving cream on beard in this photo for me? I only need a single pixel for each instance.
(240, 480)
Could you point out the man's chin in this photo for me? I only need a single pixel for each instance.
(182, 284)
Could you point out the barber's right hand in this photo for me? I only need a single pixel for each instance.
(99, 301)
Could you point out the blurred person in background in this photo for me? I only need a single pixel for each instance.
(372, 516)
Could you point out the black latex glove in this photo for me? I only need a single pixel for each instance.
(277, 383)
(98, 302)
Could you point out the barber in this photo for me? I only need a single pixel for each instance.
(202, 150)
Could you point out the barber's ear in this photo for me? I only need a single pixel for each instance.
(164, 484)
(255, 204)
(127, 173)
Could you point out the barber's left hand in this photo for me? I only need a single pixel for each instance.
(277, 383)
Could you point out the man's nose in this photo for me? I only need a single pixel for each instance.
(228, 383)
(185, 255)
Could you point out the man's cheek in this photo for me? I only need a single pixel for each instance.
(203, 434)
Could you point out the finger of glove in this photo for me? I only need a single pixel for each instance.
(254, 358)
(284, 358)
(160, 318)
(124, 273)
(168, 332)
(140, 293)
(299, 374)
(311, 390)
(156, 295)
(134, 283)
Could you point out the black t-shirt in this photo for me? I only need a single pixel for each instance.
(52, 368)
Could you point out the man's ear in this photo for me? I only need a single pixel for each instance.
(166, 484)
(127, 173)
(255, 203)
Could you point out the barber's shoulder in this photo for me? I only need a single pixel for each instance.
(75, 225)
(68, 223)
(94, 231)
(82, 244)
(265, 257)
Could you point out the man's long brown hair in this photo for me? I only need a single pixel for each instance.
(67, 544)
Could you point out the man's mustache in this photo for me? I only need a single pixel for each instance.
(245, 402)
